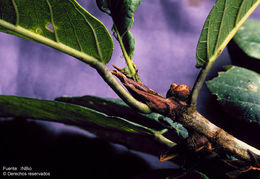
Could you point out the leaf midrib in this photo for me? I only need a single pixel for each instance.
(59, 46)
(52, 21)
(55, 43)
(55, 30)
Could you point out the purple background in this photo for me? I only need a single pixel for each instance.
(166, 34)
(166, 41)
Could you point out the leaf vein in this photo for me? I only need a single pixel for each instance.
(52, 21)
(221, 26)
(74, 31)
(239, 11)
(93, 31)
(16, 11)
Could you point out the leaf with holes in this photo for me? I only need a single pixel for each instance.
(63, 25)
(224, 20)
(248, 38)
(238, 91)
(122, 12)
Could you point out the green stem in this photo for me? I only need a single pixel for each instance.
(163, 140)
(120, 91)
(199, 82)
(128, 60)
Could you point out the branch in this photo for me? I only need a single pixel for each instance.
(119, 90)
(195, 121)
(176, 107)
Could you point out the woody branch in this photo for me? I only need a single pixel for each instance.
(176, 106)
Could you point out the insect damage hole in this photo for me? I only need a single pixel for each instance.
(49, 27)
(38, 30)
(219, 51)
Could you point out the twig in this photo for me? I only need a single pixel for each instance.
(192, 119)
(120, 91)
(177, 109)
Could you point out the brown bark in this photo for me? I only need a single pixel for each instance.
(195, 121)
(176, 107)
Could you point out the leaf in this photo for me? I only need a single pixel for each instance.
(244, 48)
(238, 91)
(248, 38)
(202, 175)
(13, 106)
(181, 131)
(116, 107)
(169, 123)
(127, 72)
(63, 25)
(224, 20)
(172, 173)
(190, 174)
(111, 107)
(122, 12)
(111, 128)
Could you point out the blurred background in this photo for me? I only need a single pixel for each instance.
(166, 34)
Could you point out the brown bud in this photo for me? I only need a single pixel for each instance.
(181, 92)
(170, 92)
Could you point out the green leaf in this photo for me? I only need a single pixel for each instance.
(201, 175)
(248, 38)
(110, 128)
(111, 107)
(170, 124)
(127, 72)
(238, 91)
(63, 25)
(116, 107)
(188, 174)
(224, 20)
(13, 106)
(122, 12)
